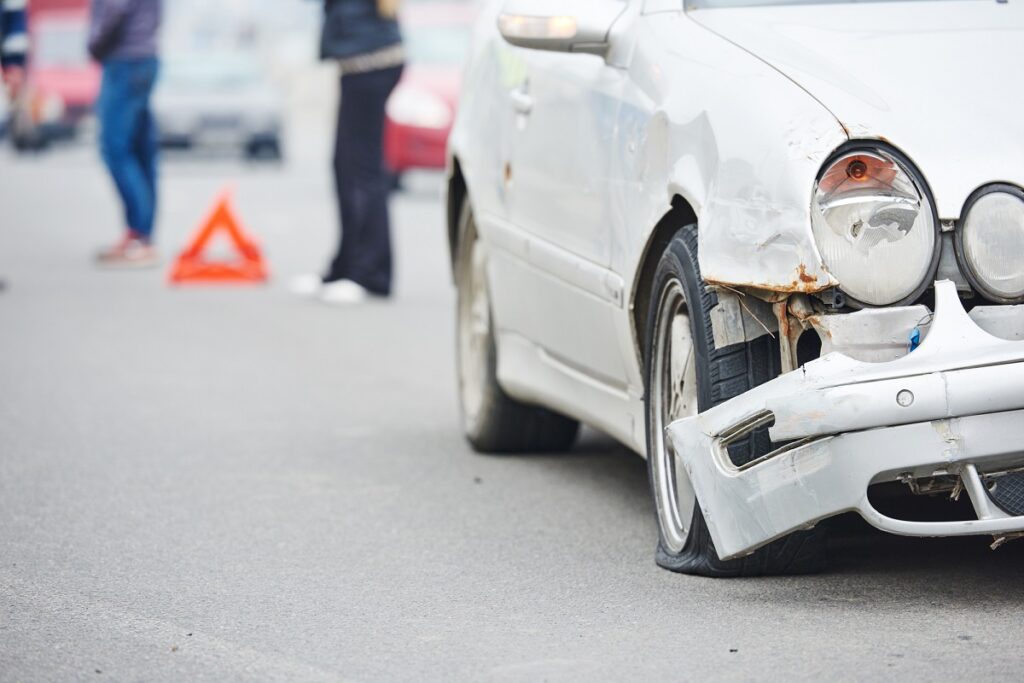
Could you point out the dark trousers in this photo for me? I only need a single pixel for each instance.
(362, 183)
(128, 137)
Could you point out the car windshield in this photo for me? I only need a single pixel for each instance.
(703, 4)
(60, 44)
(210, 73)
(437, 45)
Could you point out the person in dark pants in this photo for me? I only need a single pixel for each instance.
(123, 37)
(363, 36)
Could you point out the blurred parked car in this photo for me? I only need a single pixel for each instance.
(62, 81)
(774, 245)
(421, 110)
(218, 101)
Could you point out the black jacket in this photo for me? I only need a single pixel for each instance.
(354, 27)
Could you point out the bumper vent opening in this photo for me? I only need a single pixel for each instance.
(748, 442)
(1006, 491)
(931, 503)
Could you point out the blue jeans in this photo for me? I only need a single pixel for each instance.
(128, 137)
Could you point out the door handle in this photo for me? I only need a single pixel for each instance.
(521, 101)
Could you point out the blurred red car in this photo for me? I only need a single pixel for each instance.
(421, 109)
(63, 82)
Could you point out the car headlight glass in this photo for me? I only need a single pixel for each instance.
(53, 108)
(46, 108)
(875, 227)
(992, 243)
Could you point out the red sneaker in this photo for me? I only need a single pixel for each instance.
(130, 252)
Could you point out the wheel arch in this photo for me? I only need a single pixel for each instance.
(456, 194)
(681, 214)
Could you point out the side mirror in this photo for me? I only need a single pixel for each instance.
(560, 25)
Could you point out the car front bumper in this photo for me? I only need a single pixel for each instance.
(954, 407)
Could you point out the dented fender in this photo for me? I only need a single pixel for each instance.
(749, 190)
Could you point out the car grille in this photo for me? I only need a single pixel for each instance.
(220, 122)
(1008, 493)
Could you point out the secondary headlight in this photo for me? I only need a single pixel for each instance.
(875, 227)
(990, 243)
(47, 108)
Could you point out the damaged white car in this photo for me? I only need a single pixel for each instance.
(777, 247)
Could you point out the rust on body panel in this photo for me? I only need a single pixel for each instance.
(803, 282)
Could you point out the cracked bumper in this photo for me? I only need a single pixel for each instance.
(953, 407)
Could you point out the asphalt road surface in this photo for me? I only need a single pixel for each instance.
(233, 483)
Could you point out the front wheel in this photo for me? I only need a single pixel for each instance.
(493, 421)
(685, 374)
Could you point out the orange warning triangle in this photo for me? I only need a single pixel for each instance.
(247, 266)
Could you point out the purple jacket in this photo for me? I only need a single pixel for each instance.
(124, 29)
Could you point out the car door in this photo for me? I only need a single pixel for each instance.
(562, 212)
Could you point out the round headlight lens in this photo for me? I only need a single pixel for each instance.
(992, 244)
(874, 227)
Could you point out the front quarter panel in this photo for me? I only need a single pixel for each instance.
(739, 141)
(481, 137)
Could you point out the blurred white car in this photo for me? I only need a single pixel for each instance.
(775, 246)
(210, 101)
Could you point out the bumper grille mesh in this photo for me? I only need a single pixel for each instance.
(1008, 493)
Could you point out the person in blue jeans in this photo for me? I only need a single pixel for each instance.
(123, 38)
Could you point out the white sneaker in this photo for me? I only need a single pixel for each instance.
(306, 285)
(343, 293)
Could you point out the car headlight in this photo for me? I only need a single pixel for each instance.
(47, 108)
(875, 227)
(411, 106)
(990, 241)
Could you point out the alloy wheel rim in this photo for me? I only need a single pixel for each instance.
(474, 326)
(673, 395)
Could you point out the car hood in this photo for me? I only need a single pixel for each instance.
(938, 79)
